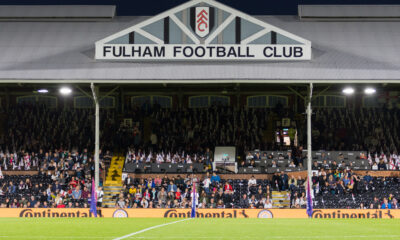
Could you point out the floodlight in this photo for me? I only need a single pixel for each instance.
(348, 90)
(65, 90)
(369, 91)
(42, 90)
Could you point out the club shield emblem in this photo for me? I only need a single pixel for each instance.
(202, 20)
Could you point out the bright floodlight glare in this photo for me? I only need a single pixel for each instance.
(369, 91)
(65, 91)
(348, 90)
(43, 90)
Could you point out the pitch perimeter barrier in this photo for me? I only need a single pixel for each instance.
(201, 213)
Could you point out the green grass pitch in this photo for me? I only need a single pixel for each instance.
(111, 228)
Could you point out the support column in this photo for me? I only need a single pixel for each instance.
(309, 140)
(97, 135)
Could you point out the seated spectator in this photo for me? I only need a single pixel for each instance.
(382, 165)
(386, 204)
(228, 188)
(77, 193)
(375, 167)
(252, 182)
(244, 202)
(171, 187)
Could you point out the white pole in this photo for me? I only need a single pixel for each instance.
(97, 136)
(309, 143)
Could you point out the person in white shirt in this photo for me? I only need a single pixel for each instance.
(206, 185)
(252, 182)
(100, 195)
(375, 166)
(267, 204)
(196, 198)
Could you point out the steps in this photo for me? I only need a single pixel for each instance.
(280, 199)
(113, 182)
(110, 196)
(114, 173)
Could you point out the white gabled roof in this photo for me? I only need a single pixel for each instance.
(266, 27)
(64, 52)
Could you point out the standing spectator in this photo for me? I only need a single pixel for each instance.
(206, 184)
(215, 179)
(284, 179)
(100, 195)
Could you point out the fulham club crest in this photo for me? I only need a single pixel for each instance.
(202, 20)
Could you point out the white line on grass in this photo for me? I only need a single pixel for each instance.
(274, 237)
(150, 228)
(208, 237)
(54, 237)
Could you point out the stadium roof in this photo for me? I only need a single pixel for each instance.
(64, 52)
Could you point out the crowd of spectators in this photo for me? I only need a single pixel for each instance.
(194, 130)
(63, 179)
(330, 189)
(345, 189)
(140, 156)
(48, 189)
(211, 192)
(31, 128)
(58, 160)
(298, 158)
(185, 134)
(366, 129)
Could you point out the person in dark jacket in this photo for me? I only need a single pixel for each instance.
(244, 202)
(284, 179)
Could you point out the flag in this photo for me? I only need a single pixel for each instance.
(93, 200)
(370, 159)
(193, 213)
(309, 199)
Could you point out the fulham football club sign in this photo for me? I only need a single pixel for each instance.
(203, 30)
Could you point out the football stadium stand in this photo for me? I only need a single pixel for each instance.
(47, 160)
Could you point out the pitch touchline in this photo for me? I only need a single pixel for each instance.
(274, 237)
(201, 237)
(150, 228)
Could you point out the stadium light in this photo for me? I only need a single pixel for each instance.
(348, 91)
(369, 91)
(43, 90)
(65, 90)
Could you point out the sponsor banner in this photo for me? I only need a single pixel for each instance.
(202, 52)
(200, 213)
(48, 212)
(355, 213)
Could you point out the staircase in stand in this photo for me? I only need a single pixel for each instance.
(113, 183)
(280, 199)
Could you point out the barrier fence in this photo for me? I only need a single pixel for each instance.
(201, 213)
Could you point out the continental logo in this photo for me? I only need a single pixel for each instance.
(352, 214)
(120, 213)
(265, 214)
(173, 213)
(57, 213)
